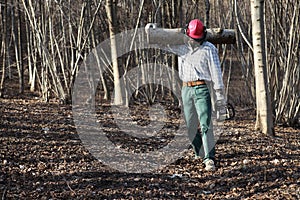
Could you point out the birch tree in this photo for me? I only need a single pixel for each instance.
(264, 116)
(111, 11)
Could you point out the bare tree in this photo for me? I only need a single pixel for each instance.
(59, 34)
(264, 116)
(4, 44)
(111, 11)
(283, 59)
(17, 41)
(207, 13)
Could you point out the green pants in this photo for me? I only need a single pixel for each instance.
(197, 111)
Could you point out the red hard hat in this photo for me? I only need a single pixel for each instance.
(195, 29)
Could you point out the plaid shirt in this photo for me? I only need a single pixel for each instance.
(199, 62)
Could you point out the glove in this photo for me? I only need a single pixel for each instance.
(221, 110)
(220, 106)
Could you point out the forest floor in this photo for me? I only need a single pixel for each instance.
(42, 157)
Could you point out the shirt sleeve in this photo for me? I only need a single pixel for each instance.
(215, 69)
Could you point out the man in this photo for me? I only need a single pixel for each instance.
(199, 68)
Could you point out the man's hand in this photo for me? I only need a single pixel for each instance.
(220, 105)
(221, 110)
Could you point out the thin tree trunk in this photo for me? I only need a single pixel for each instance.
(4, 48)
(207, 12)
(20, 49)
(15, 36)
(111, 11)
(30, 53)
(264, 116)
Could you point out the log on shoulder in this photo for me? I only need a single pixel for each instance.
(175, 36)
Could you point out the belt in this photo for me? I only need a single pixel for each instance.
(194, 83)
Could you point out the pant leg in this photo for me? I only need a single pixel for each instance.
(203, 107)
(191, 118)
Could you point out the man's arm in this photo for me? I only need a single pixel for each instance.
(218, 86)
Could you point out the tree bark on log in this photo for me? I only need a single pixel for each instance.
(176, 36)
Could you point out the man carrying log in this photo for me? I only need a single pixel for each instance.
(198, 68)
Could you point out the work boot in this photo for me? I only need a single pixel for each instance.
(210, 165)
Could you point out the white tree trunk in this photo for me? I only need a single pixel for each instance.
(264, 120)
(114, 57)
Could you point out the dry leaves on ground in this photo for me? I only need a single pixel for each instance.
(42, 157)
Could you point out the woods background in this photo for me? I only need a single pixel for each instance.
(43, 43)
